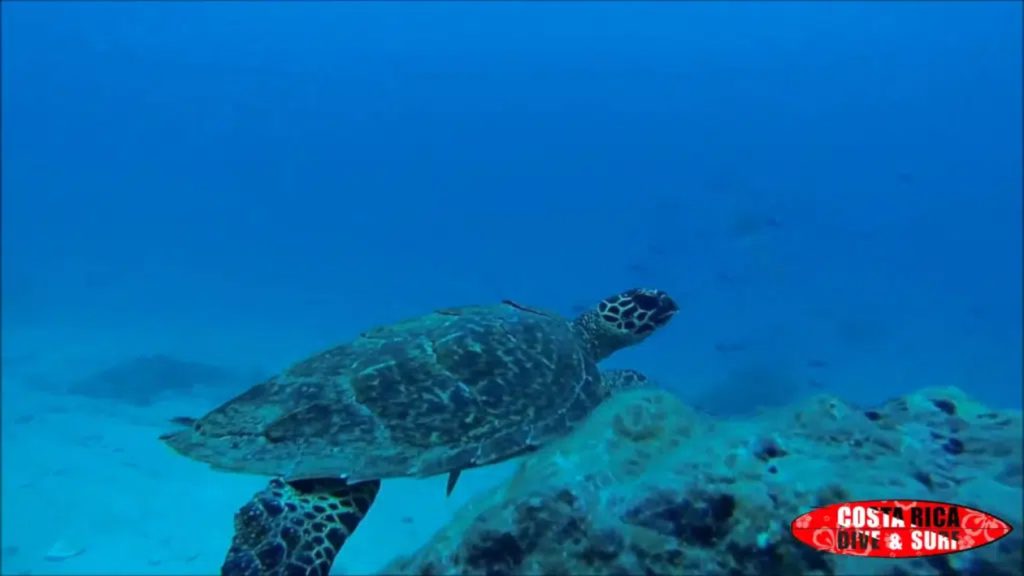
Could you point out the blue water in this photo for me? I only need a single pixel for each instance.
(832, 191)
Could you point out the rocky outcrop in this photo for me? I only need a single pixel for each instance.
(648, 486)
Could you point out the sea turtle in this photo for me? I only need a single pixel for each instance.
(454, 389)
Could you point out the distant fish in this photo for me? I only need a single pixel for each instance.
(730, 347)
(816, 363)
(746, 225)
(638, 270)
(667, 207)
(861, 333)
(730, 279)
(657, 250)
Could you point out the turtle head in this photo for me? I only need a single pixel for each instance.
(623, 320)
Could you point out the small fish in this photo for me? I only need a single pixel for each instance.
(816, 363)
(728, 278)
(655, 249)
(638, 269)
(747, 225)
(730, 347)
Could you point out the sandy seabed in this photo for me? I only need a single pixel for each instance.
(89, 489)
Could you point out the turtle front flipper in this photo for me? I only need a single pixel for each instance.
(617, 380)
(296, 527)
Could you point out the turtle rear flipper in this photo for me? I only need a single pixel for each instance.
(297, 527)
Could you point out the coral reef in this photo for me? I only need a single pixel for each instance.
(648, 486)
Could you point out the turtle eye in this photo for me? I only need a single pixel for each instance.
(646, 301)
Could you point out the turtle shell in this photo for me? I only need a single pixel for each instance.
(454, 389)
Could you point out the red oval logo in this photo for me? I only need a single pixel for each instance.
(897, 528)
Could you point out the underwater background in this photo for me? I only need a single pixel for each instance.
(197, 194)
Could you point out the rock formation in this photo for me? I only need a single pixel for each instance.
(648, 486)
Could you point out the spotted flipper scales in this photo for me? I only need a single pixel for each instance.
(296, 527)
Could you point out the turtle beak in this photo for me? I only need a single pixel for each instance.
(658, 304)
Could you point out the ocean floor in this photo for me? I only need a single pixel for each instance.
(88, 489)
